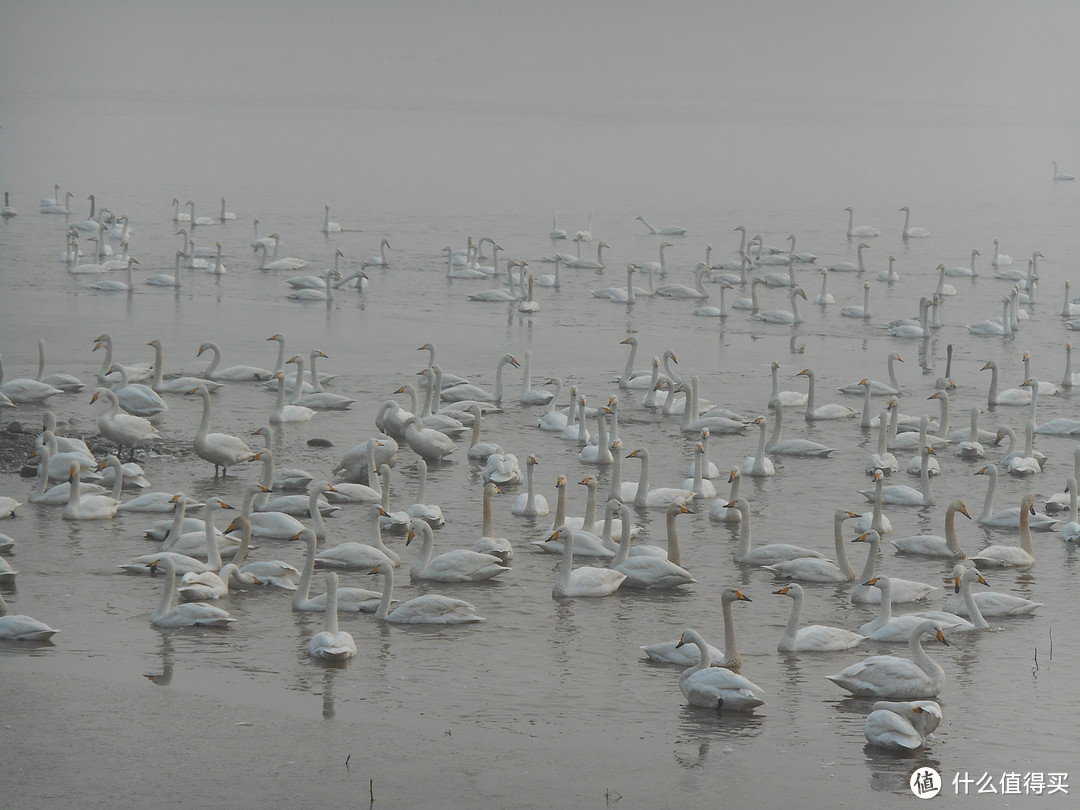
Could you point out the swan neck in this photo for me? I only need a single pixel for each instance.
(316, 514)
(489, 510)
(791, 631)
(388, 591)
(303, 589)
(643, 484)
(991, 488)
(871, 560)
(731, 648)
(974, 613)
(744, 529)
(167, 593)
(838, 545)
(674, 552)
(213, 553)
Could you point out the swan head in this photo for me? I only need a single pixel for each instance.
(868, 537)
(734, 595)
(1027, 504)
(560, 482)
(806, 372)
(905, 208)
(794, 590)
(589, 481)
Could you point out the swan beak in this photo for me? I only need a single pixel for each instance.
(872, 581)
(983, 581)
(851, 514)
(374, 570)
(730, 505)
(554, 536)
(232, 526)
(930, 451)
(263, 489)
(297, 536)
(964, 511)
(223, 505)
(514, 363)
(742, 597)
(382, 511)
(410, 537)
(681, 642)
(982, 471)
(257, 456)
(94, 398)
(783, 591)
(862, 538)
(941, 637)
(956, 580)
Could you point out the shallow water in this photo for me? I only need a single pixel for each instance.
(412, 138)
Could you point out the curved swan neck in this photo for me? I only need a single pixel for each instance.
(731, 648)
(303, 589)
(167, 594)
(623, 553)
(590, 504)
(387, 572)
(972, 606)
(838, 544)
(874, 542)
(791, 631)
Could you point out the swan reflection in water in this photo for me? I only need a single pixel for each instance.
(164, 678)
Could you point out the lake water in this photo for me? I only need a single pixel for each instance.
(424, 124)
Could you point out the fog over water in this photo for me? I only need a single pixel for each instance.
(426, 123)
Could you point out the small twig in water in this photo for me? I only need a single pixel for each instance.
(371, 790)
(347, 761)
(1036, 669)
(610, 797)
(1051, 643)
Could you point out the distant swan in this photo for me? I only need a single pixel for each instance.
(910, 231)
(862, 230)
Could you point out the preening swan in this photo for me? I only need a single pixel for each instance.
(332, 644)
(912, 231)
(715, 687)
(814, 637)
(891, 677)
(431, 608)
(901, 725)
(672, 652)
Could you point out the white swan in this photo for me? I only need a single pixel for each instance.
(332, 644)
(670, 230)
(136, 398)
(646, 570)
(1007, 518)
(816, 413)
(26, 391)
(20, 627)
(188, 614)
(556, 232)
(994, 327)
(123, 428)
(882, 460)
(240, 373)
(750, 303)
(530, 503)
(586, 234)
(909, 496)
(886, 627)
(913, 329)
(850, 267)
(431, 608)
(1010, 396)
(901, 590)
(165, 279)
(863, 312)
(194, 220)
(793, 447)
(902, 725)
(589, 264)
(719, 510)
(349, 600)
(318, 400)
(970, 449)
(431, 513)
(586, 581)
(290, 263)
(999, 556)
(759, 465)
(458, 565)
(429, 444)
(681, 291)
(672, 652)
(990, 603)
(1060, 175)
(816, 569)
(889, 276)
(891, 388)
(220, 449)
(488, 542)
(176, 385)
(763, 555)
(661, 497)
(91, 507)
(468, 391)
(65, 382)
(971, 272)
(911, 231)
(892, 677)
(360, 556)
(824, 297)
(285, 412)
(862, 230)
(328, 226)
(715, 687)
(785, 316)
(814, 637)
(697, 482)
(932, 545)
(113, 285)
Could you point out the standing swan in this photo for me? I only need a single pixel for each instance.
(220, 449)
